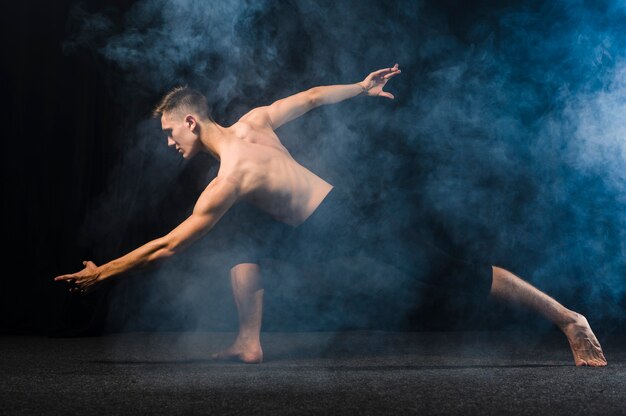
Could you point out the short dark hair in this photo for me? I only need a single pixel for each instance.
(183, 98)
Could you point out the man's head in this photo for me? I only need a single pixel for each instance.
(181, 110)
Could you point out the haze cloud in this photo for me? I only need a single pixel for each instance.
(507, 130)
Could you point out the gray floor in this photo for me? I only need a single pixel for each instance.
(310, 373)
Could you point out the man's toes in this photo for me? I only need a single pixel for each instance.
(221, 355)
(601, 361)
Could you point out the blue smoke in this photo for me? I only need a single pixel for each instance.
(508, 127)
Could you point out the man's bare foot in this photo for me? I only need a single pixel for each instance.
(247, 352)
(584, 344)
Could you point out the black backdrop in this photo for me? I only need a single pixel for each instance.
(66, 129)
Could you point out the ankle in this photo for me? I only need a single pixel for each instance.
(248, 339)
(569, 319)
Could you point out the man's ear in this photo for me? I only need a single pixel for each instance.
(191, 122)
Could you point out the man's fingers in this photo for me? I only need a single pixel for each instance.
(64, 277)
(381, 71)
(385, 71)
(392, 74)
(386, 95)
(376, 73)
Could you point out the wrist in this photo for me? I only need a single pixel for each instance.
(103, 272)
(363, 88)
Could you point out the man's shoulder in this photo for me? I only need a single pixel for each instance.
(256, 116)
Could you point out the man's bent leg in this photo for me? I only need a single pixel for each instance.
(248, 293)
(508, 288)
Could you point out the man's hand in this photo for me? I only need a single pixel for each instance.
(373, 84)
(85, 280)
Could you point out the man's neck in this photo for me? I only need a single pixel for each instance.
(214, 138)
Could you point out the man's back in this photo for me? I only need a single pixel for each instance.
(267, 175)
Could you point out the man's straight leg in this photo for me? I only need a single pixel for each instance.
(510, 289)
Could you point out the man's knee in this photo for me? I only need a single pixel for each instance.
(246, 275)
(245, 269)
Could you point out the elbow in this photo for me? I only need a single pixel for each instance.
(165, 253)
(314, 97)
(173, 244)
(171, 248)
(165, 248)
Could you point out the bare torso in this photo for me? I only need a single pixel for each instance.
(269, 178)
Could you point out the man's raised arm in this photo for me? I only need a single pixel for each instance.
(215, 200)
(289, 108)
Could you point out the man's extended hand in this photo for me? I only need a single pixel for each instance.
(85, 280)
(373, 84)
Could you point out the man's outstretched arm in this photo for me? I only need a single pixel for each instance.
(289, 108)
(215, 200)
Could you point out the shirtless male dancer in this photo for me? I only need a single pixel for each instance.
(256, 168)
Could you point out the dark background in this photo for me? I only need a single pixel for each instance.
(80, 179)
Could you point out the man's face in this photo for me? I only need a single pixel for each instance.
(180, 131)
